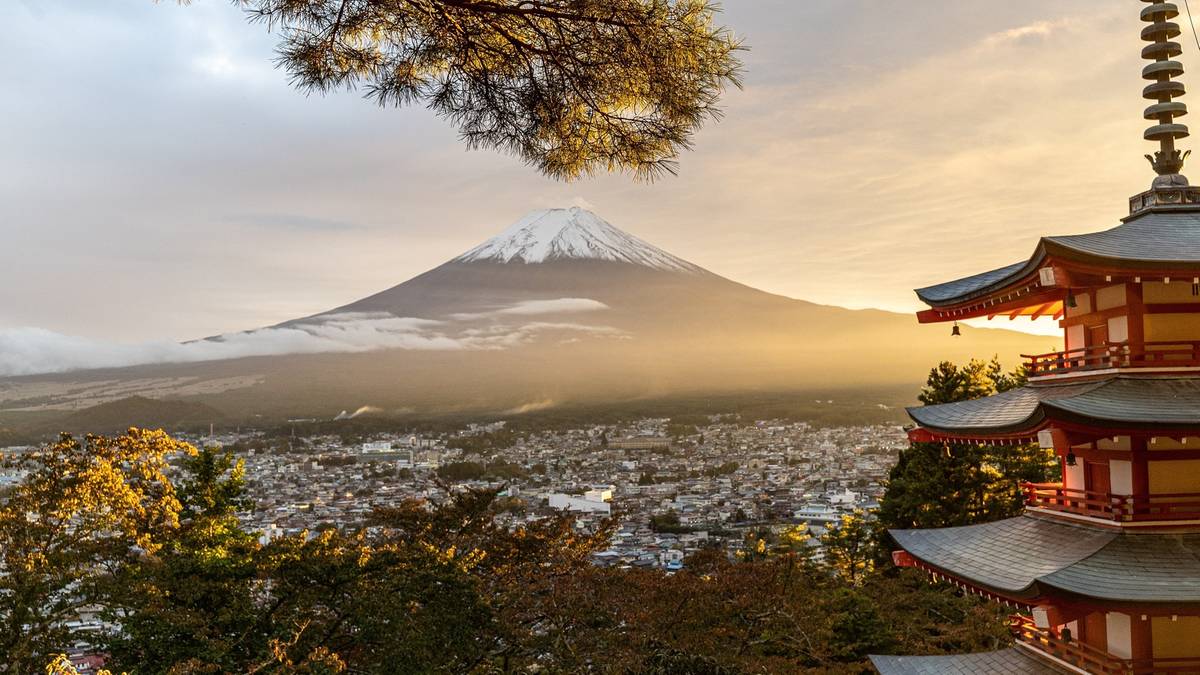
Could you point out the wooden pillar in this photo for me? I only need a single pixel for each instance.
(1136, 320)
(1140, 446)
(1141, 638)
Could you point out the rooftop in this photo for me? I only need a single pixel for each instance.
(1026, 557)
(1163, 242)
(1150, 402)
(1005, 662)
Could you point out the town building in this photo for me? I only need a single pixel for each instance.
(1103, 569)
(641, 443)
(589, 503)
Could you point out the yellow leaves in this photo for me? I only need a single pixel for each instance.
(61, 665)
(34, 561)
(472, 559)
(79, 495)
(319, 660)
(465, 562)
(795, 536)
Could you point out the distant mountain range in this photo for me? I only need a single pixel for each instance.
(562, 307)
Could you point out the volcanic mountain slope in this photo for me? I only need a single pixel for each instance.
(561, 307)
(556, 255)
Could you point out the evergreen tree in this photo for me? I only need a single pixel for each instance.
(572, 87)
(953, 484)
(857, 628)
(949, 383)
(193, 604)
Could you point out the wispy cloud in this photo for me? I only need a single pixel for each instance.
(29, 351)
(532, 406)
(1035, 31)
(536, 308)
(364, 410)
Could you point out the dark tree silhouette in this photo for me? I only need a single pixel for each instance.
(950, 485)
(572, 87)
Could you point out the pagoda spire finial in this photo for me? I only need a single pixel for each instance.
(1168, 161)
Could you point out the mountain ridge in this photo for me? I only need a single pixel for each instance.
(598, 316)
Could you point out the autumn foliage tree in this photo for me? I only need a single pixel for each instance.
(849, 548)
(430, 586)
(571, 87)
(86, 507)
(427, 588)
(193, 603)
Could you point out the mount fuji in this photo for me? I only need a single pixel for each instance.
(561, 307)
(572, 234)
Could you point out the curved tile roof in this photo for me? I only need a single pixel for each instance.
(1137, 400)
(1023, 556)
(961, 289)
(1165, 240)
(1007, 556)
(1010, 661)
(1155, 238)
(1137, 567)
(1127, 399)
(1018, 408)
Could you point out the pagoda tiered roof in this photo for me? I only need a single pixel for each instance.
(1028, 557)
(1011, 661)
(1104, 565)
(1154, 241)
(1124, 401)
(1161, 242)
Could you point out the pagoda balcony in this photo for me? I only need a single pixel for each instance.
(1092, 659)
(1115, 356)
(1117, 508)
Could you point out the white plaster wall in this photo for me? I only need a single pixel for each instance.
(1120, 635)
(1073, 476)
(1076, 337)
(1083, 305)
(1118, 329)
(1121, 475)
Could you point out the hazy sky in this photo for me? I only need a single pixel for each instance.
(162, 180)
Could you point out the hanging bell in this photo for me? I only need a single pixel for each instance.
(1071, 301)
(1071, 461)
(956, 331)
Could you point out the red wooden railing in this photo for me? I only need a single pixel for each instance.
(1119, 508)
(1092, 659)
(1115, 355)
(1055, 497)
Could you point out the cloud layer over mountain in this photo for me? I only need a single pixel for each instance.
(29, 351)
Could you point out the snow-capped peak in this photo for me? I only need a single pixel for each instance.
(574, 233)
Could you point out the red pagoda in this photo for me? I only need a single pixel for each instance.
(1103, 569)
